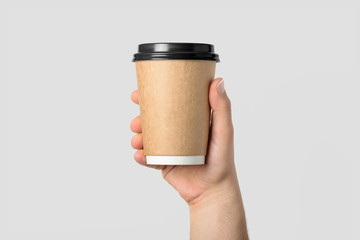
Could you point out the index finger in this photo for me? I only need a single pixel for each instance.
(135, 96)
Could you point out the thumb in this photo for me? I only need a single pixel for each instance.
(222, 131)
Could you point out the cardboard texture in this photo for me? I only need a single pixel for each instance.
(174, 106)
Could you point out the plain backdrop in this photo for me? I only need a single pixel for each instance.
(67, 168)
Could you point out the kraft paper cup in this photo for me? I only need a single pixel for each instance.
(173, 83)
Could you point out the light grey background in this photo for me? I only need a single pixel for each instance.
(67, 168)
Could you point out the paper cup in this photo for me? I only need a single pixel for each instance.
(174, 102)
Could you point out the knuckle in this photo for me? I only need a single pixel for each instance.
(228, 104)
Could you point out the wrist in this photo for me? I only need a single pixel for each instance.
(225, 190)
(218, 213)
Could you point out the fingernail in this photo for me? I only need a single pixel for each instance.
(220, 87)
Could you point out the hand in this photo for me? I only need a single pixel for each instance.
(193, 181)
(213, 186)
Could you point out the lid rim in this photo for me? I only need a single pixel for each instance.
(171, 51)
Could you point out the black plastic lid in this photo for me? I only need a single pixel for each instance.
(166, 51)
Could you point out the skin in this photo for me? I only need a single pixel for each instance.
(212, 190)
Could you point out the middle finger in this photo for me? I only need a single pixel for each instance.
(135, 125)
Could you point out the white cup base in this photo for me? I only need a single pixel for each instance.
(175, 160)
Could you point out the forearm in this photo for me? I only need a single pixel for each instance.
(219, 215)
